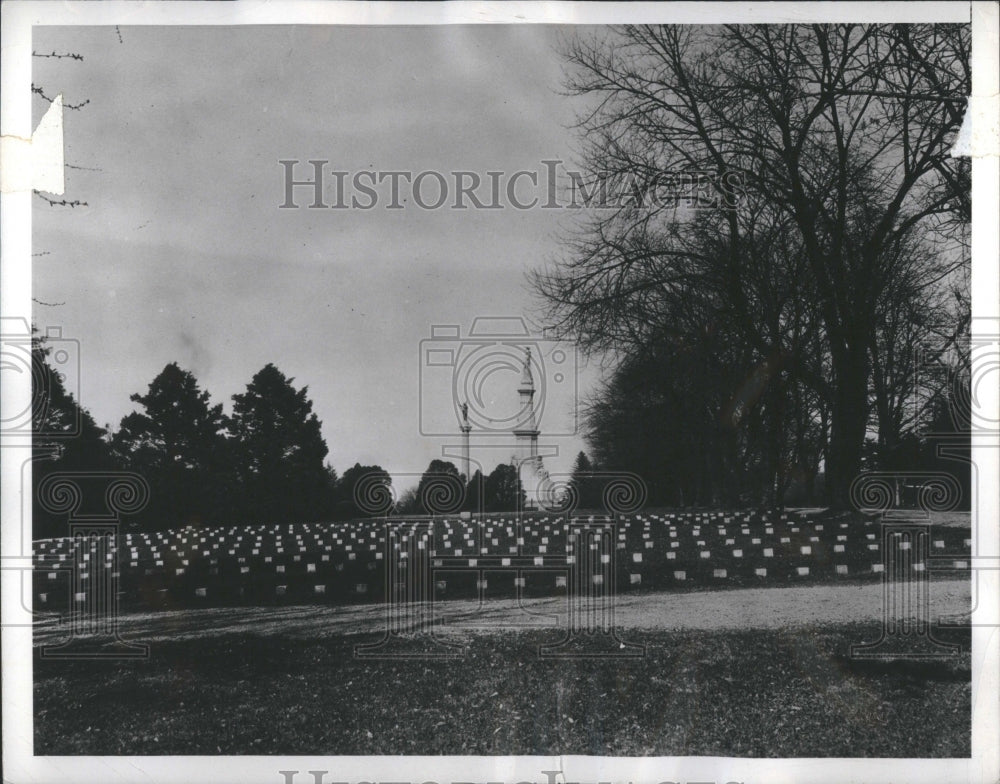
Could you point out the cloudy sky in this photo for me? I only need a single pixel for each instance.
(182, 253)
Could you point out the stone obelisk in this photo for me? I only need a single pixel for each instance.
(526, 427)
(530, 468)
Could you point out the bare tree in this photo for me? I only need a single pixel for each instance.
(840, 135)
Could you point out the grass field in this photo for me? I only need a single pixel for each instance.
(761, 693)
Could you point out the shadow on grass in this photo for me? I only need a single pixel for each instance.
(941, 671)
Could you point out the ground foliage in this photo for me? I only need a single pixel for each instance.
(751, 693)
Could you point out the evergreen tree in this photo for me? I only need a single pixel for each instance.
(474, 493)
(279, 451)
(585, 484)
(364, 491)
(503, 490)
(441, 489)
(177, 443)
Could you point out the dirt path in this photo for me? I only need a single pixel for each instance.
(761, 608)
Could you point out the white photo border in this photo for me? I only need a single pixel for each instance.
(20, 766)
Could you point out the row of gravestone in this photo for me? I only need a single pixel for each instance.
(549, 538)
(789, 540)
(374, 530)
(227, 580)
(444, 533)
(160, 591)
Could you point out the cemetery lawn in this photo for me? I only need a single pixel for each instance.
(788, 692)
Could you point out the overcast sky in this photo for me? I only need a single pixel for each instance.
(182, 254)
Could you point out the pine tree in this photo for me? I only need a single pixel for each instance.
(586, 485)
(363, 491)
(280, 451)
(503, 490)
(177, 442)
(474, 492)
(441, 488)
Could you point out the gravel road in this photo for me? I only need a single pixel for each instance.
(746, 608)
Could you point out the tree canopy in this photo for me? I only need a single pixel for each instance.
(280, 449)
(784, 300)
(177, 441)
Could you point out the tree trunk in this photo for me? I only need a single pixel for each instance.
(849, 423)
(776, 434)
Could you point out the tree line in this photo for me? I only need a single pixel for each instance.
(263, 463)
(774, 344)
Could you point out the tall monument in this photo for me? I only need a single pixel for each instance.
(526, 458)
(530, 468)
(526, 427)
